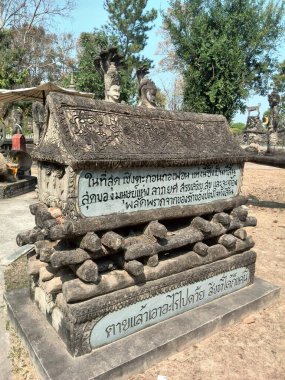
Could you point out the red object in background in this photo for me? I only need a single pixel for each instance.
(18, 142)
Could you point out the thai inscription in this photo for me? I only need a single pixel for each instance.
(121, 191)
(135, 317)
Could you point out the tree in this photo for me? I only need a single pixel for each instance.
(223, 49)
(129, 23)
(237, 128)
(16, 13)
(47, 56)
(279, 84)
(38, 53)
(11, 73)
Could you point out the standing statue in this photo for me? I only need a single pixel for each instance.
(17, 120)
(147, 89)
(38, 121)
(2, 132)
(272, 138)
(274, 101)
(112, 84)
(108, 63)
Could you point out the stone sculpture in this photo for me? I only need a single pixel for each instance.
(139, 218)
(17, 119)
(2, 133)
(112, 84)
(273, 100)
(38, 121)
(272, 132)
(147, 89)
(108, 62)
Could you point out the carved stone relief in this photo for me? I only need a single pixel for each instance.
(52, 184)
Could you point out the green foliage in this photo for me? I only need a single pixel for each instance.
(279, 84)
(46, 55)
(11, 74)
(87, 78)
(224, 49)
(279, 77)
(237, 128)
(129, 23)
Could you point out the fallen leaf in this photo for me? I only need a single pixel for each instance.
(248, 320)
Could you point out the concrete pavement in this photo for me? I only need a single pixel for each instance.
(15, 217)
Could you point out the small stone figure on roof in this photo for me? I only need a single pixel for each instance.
(147, 89)
(108, 62)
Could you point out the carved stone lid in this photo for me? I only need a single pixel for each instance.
(88, 133)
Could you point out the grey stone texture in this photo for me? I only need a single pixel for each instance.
(21, 186)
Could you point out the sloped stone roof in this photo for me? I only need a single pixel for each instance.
(86, 133)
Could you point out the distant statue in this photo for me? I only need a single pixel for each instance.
(108, 62)
(274, 101)
(147, 89)
(2, 133)
(272, 136)
(17, 120)
(253, 109)
(38, 121)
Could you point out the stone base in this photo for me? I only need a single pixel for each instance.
(13, 189)
(87, 325)
(134, 353)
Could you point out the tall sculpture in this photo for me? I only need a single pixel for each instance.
(38, 120)
(272, 137)
(17, 119)
(108, 63)
(273, 100)
(147, 89)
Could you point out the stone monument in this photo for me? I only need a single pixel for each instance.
(268, 138)
(108, 63)
(38, 121)
(139, 219)
(147, 89)
(272, 132)
(15, 178)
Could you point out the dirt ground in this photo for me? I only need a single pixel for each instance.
(253, 348)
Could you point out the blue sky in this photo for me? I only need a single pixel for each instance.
(90, 14)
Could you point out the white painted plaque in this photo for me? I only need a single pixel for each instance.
(135, 317)
(121, 191)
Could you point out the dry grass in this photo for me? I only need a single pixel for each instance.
(16, 276)
(22, 367)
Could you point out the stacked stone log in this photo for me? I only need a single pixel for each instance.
(101, 262)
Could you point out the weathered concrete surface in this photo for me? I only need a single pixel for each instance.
(15, 217)
(14, 189)
(5, 365)
(133, 353)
